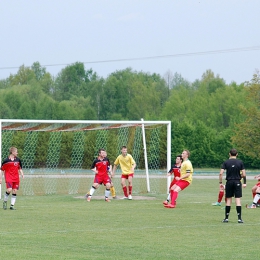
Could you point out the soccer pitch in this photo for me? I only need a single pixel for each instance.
(67, 227)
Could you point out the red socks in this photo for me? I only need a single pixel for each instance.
(125, 191)
(220, 196)
(174, 196)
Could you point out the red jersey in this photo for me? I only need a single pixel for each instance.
(11, 169)
(175, 170)
(102, 166)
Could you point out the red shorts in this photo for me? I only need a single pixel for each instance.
(182, 184)
(173, 182)
(13, 185)
(102, 179)
(125, 176)
(258, 184)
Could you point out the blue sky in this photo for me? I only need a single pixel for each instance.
(98, 31)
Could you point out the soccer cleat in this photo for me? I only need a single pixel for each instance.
(170, 206)
(12, 208)
(5, 205)
(225, 220)
(89, 198)
(107, 200)
(252, 206)
(240, 221)
(124, 198)
(165, 202)
(115, 197)
(216, 204)
(130, 197)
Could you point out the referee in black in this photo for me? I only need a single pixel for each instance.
(234, 168)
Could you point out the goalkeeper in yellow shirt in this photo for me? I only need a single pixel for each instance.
(127, 164)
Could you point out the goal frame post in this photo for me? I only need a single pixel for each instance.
(111, 123)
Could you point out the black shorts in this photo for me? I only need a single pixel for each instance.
(233, 189)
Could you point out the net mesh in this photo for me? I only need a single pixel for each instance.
(59, 161)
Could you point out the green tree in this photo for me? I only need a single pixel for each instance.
(5, 111)
(72, 80)
(247, 133)
(23, 76)
(38, 70)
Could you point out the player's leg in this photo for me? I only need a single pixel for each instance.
(258, 188)
(107, 191)
(92, 190)
(13, 199)
(130, 186)
(7, 193)
(220, 196)
(254, 190)
(239, 208)
(123, 184)
(113, 191)
(255, 200)
(230, 190)
(175, 189)
(14, 194)
(169, 195)
(227, 209)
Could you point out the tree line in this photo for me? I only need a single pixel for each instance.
(209, 117)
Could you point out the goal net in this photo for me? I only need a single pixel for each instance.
(57, 155)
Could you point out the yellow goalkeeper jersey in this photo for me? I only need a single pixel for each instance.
(126, 163)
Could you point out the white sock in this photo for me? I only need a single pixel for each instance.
(256, 198)
(92, 190)
(13, 199)
(6, 196)
(107, 193)
(168, 198)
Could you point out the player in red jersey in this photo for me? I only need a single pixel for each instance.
(100, 167)
(256, 194)
(11, 167)
(175, 170)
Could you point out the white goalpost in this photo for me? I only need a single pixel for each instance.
(57, 154)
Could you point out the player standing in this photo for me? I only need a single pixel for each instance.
(175, 170)
(11, 167)
(233, 168)
(100, 168)
(127, 164)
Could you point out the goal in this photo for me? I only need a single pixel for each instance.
(57, 154)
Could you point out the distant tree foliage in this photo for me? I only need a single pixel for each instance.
(247, 132)
(208, 116)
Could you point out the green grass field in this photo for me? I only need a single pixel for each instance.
(66, 227)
